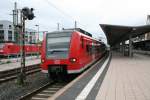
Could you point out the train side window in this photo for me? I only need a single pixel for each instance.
(87, 48)
(90, 49)
(93, 49)
(82, 42)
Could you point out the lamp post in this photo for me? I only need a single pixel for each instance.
(37, 39)
(37, 32)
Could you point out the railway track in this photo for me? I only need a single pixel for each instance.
(12, 74)
(48, 90)
(44, 92)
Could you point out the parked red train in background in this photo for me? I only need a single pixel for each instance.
(8, 49)
(69, 51)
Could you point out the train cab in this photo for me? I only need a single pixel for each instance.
(68, 51)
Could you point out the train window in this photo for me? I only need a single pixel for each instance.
(93, 49)
(1, 45)
(89, 49)
(58, 45)
(1, 35)
(82, 42)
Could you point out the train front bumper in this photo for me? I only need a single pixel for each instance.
(70, 67)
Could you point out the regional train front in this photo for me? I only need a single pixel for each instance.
(69, 52)
(55, 53)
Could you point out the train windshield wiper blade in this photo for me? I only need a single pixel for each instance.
(52, 51)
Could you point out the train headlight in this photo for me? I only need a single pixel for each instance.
(42, 60)
(73, 60)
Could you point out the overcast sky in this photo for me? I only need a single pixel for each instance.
(88, 13)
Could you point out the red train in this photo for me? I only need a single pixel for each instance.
(69, 51)
(7, 49)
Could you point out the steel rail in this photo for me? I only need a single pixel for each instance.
(12, 73)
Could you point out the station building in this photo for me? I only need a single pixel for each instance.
(7, 33)
(30, 36)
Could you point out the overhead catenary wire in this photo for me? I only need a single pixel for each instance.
(41, 24)
(62, 12)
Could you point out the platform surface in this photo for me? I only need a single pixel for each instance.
(86, 85)
(126, 79)
(9, 66)
(17, 59)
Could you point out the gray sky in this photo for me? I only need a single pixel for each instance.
(88, 13)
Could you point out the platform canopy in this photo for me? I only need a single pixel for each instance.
(116, 33)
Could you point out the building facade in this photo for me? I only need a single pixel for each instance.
(30, 36)
(6, 31)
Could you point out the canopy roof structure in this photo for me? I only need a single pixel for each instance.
(116, 33)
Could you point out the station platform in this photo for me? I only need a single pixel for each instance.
(17, 59)
(126, 79)
(114, 78)
(9, 66)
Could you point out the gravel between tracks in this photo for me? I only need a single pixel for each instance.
(12, 91)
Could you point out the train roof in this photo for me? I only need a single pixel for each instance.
(74, 29)
(80, 30)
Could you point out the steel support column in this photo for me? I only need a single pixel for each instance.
(130, 46)
(123, 48)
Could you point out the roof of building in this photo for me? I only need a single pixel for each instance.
(116, 33)
(6, 21)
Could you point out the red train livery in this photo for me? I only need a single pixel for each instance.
(69, 51)
(14, 49)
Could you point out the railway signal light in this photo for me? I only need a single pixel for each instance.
(28, 13)
(31, 14)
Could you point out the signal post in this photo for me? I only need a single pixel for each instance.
(26, 13)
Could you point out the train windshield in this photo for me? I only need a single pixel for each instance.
(58, 45)
(1, 45)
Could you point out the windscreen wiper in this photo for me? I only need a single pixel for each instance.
(52, 51)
